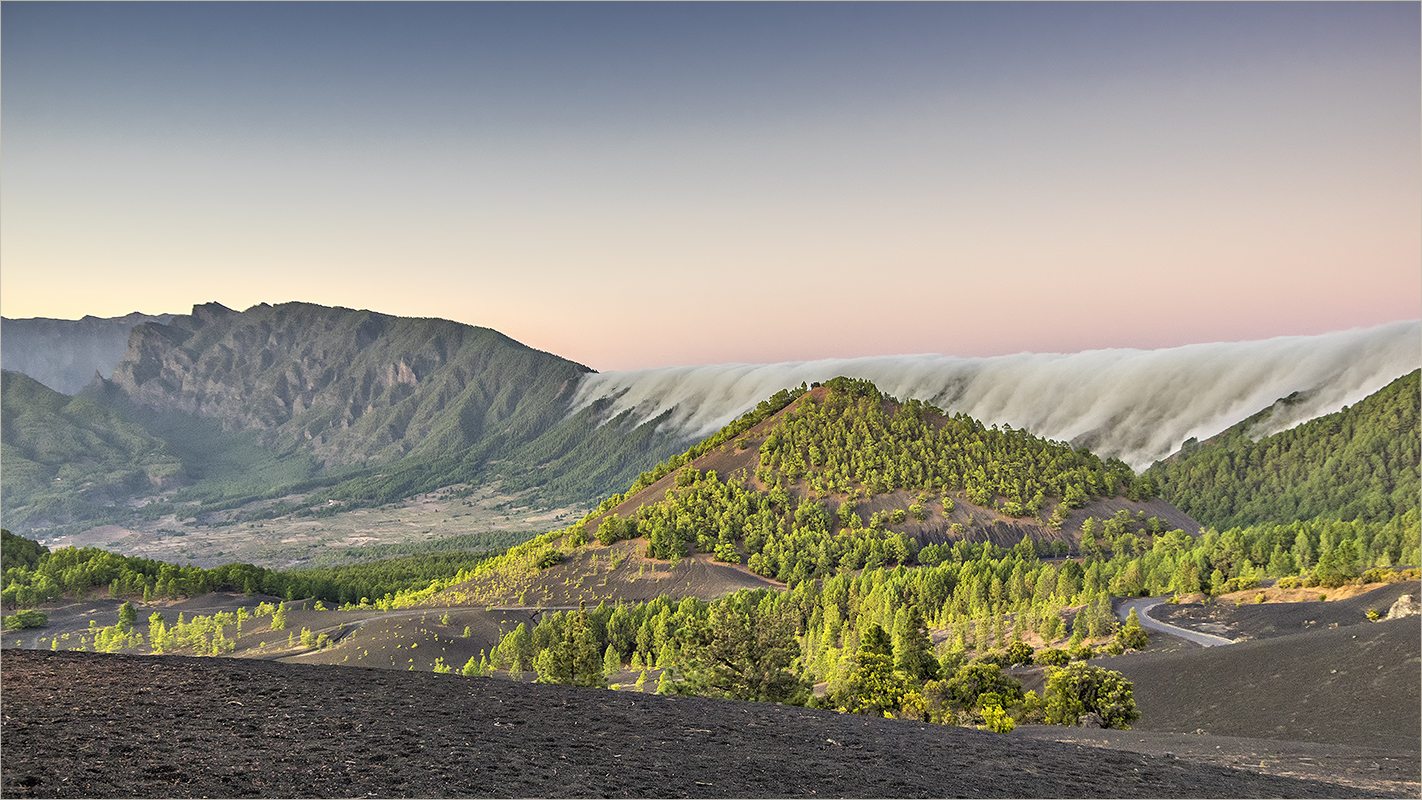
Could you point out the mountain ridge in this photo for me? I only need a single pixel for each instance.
(65, 354)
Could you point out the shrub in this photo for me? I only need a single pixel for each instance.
(1238, 585)
(1081, 652)
(976, 678)
(1329, 580)
(1053, 657)
(550, 557)
(1388, 575)
(29, 618)
(1034, 711)
(1080, 688)
(995, 657)
(578, 536)
(614, 529)
(1288, 582)
(1019, 653)
(994, 718)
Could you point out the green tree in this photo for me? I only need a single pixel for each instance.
(157, 632)
(913, 649)
(611, 663)
(127, 616)
(574, 660)
(744, 649)
(1079, 688)
(279, 618)
(976, 678)
(1131, 636)
(872, 687)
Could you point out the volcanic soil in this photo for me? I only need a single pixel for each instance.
(1309, 689)
(92, 725)
(1312, 690)
(595, 573)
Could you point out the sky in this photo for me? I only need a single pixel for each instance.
(646, 184)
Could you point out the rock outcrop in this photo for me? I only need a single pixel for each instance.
(1406, 606)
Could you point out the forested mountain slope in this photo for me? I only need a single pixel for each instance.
(329, 404)
(1359, 463)
(352, 386)
(70, 456)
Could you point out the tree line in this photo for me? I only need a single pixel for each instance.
(35, 575)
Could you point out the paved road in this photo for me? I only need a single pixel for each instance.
(1143, 607)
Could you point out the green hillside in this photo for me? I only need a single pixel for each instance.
(1360, 463)
(389, 406)
(829, 479)
(70, 457)
(885, 521)
(846, 477)
(349, 386)
(799, 473)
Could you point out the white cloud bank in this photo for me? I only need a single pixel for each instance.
(1136, 405)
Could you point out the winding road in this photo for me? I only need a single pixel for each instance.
(1142, 607)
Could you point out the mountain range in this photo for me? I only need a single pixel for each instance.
(219, 409)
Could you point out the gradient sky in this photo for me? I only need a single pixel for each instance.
(634, 185)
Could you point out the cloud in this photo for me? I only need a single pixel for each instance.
(1136, 405)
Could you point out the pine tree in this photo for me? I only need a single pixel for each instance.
(873, 687)
(611, 664)
(913, 649)
(127, 616)
(1132, 636)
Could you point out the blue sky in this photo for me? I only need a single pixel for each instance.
(650, 184)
